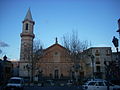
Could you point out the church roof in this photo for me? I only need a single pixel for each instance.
(28, 15)
(56, 44)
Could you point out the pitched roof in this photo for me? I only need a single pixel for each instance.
(28, 15)
(55, 45)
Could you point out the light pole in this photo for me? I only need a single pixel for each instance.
(115, 42)
(119, 28)
(77, 68)
(118, 54)
(107, 67)
(92, 58)
(28, 68)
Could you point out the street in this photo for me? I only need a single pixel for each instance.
(53, 88)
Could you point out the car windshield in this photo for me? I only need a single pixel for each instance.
(91, 83)
(49, 81)
(110, 84)
(100, 84)
(16, 81)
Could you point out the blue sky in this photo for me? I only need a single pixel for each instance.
(94, 20)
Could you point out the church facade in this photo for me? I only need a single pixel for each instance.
(55, 63)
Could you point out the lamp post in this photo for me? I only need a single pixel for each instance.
(118, 54)
(92, 58)
(115, 42)
(107, 67)
(28, 68)
(119, 28)
(77, 68)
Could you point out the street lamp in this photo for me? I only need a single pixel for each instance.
(115, 42)
(40, 74)
(119, 28)
(77, 68)
(92, 59)
(118, 54)
(107, 67)
(28, 68)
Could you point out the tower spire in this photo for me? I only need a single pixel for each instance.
(28, 15)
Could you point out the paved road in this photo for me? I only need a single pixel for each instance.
(53, 88)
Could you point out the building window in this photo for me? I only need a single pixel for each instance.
(97, 62)
(26, 26)
(108, 52)
(98, 68)
(50, 75)
(61, 76)
(97, 53)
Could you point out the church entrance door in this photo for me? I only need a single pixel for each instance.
(56, 76)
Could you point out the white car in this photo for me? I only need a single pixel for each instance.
(99, 84)
(15, 83)
(69, 83)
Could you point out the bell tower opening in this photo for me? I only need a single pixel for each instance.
(26, 26)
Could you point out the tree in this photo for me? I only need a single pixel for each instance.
(37, 50)
(75, 47)
(37, 54)
(32, 55)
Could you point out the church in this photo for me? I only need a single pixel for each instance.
(55, 62)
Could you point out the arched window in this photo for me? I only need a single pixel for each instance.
(26, 26)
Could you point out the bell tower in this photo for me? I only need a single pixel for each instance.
(26, 51)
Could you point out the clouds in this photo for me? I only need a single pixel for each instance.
(3, 44)
(0, 51)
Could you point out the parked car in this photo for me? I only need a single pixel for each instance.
(99, 84)
(15, 83)
(49, 83)
(69, 83)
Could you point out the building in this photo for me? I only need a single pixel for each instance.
(94, 59)
(15, 68)
(115, 56)
(5, 70)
